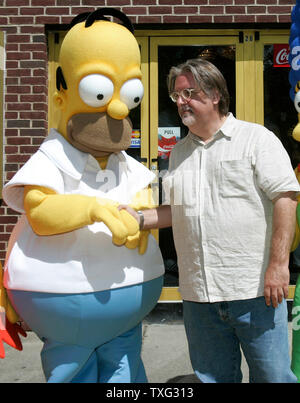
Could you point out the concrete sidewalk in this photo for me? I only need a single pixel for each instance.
(165, 352)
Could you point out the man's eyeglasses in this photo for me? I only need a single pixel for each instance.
(185, 94)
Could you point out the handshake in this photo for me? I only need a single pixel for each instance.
(123, 223)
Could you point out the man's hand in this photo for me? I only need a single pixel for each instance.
(276, 285)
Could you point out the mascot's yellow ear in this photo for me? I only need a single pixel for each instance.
(59, 99)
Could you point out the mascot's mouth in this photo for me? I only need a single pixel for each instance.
(98, 133)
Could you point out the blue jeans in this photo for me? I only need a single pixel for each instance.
(216, 331)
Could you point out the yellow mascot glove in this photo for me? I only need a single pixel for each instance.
(49, 213)
(142, 200)
(140, 240)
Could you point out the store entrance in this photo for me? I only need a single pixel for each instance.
(170, 127)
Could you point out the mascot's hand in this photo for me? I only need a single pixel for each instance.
(139, 240)
(9, 330)
(142, 200)
(121, 224)
(9, 333)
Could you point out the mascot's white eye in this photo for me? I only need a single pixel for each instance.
(132, 93)
(96, 90)
(297, 102)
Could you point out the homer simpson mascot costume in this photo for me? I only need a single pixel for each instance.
(294, 78)
(79, 271)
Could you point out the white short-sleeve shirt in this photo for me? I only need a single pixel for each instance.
(221, 196)
(84, 260)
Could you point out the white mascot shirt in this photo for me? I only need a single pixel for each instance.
(84, 260)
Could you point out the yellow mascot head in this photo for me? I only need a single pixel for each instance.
(98, 81)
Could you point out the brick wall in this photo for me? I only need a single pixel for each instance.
(26, 58)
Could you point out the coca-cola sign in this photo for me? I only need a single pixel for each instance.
(281, 55)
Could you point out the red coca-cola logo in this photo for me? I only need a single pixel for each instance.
(281, 55)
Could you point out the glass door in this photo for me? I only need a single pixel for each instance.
(166, 127)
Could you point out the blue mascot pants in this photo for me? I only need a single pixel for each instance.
(90, 337)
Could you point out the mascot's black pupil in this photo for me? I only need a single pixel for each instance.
(136, 99)
(100, 97)
(299, 104)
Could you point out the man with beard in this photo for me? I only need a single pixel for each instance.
(230, 196)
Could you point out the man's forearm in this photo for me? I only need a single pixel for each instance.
(159, 217)
(284, 222)
(277, 273)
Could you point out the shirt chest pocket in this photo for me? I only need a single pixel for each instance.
(236, 178)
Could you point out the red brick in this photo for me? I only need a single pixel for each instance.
(8, 11)
(147, 19)
(266, 18)
(169, 2)
(32, 10)
(200, 19)
(211, 10)
(221, 2)
(160, 10)
(71, 3)
(11, 115)
(18, 89)
(11, 149)
(235, 10)
(266, 2)
(244, 18)
(32, 132)
(19, 140)
(45, 3)
(112, 3)
(17, 3)
(223, 19)
(33, 98)
(28, 149)
(134, 11)
(279, 9)
(195, 2)
(12, 47)
(57, 10)
(185, 10)
(30, 47)
(256, 10)
(46, 19)
(18, 72)
(18, 55)
(172, 19)
(19, 106)
(284, 18)
(147, 2)
(18, 38)
(21, 20)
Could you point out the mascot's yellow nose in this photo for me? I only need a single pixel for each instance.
(117, 109)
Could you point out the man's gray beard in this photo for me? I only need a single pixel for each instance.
(188, 120)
